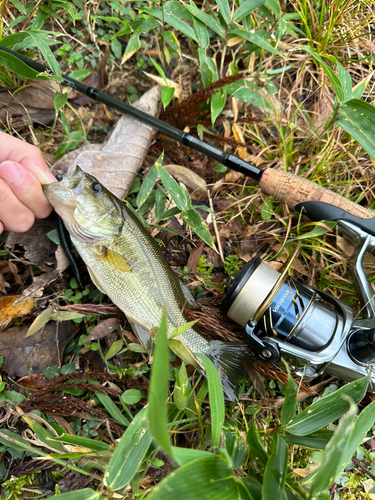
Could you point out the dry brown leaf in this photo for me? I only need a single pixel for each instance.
(191, 180)
(101, 330)
(345, 245)
(10, 310)
(116, 162)
(163, 83)
(33, 382)
(39, 283)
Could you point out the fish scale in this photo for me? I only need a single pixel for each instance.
(125, 263)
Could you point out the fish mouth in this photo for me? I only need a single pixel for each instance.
(64, 192)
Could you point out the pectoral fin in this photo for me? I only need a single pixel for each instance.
(113, 259)
(190, 302)
(143, 335)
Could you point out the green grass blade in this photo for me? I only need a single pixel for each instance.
(158, 391)
(92, 444)
(275, 471)
(201, 479)
(329, 408)
(215, 390)
(209, 21)
(129, 453)
(257, 39)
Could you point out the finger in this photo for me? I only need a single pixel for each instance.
(26, 187)
(29, 156)
(1, 227)
(14, 215)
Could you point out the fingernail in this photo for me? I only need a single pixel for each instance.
(10, 172)
(51, 176)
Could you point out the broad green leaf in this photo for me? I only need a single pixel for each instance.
(201, 479)
(194, 220)
(43, 46)
(71, 142)
(181, 388)
(290, 405)
(267, 210)
(140, 27)
(85, 494)
(317, 440)
(248, 92)
(92, 444)
(131, 396)
(215, 390)
(257, 449)
(274, 6)
(112, 409)
(224, 9)
(206, 19)
(362, 425)
(245, 9)
(331, 464)
(147, 186)
(40, 321)
(358, 90)
(208, 68)
(217, 103)
(328, 409)
(173, 14)
(116, 47)
(160, 198)
(66, 315)
(344, 77)
(248, 488)
(234, 443)
(358, 119)
(257, 39)
(158, 391)
(183, 352)
(186, 455)
(167, 94)
(14, 64)
(172, 41)
(129, 453)
(59, 101)
(275, 471)
(136, 214)
(332, 77)
(114, 349)
(320, 228)
(180, 329)
(201, 32)
(177, 193)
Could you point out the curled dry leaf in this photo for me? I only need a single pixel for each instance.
(116, 162)
(103, 329)
(191, 180)
(163, 83)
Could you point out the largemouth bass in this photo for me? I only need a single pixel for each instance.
(125, 263)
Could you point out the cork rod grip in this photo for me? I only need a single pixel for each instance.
(294, 189)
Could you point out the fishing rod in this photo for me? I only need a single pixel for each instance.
(314, 331)
(297, 192)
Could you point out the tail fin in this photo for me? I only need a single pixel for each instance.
(231, 360)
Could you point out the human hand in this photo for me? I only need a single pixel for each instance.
(22, 172)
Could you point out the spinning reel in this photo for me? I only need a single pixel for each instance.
(311, 330)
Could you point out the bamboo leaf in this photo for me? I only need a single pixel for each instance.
(257, 449)
(186, 455)
(358, 119)
(208, 477)
(327, 409)
(14, 64)
(317, 440)
(246, 8)
(174, 14)
(114, 349)
(289, 407)
(147, 185)
(181, 389)
(129, 453)
(215, 390)
(275, 471)
(217, 103)
(112, 409)
(158, 391)
(85, 494)
(256, 37)
(224, 9)
(194, 220)
(331, 464)
(207, 20)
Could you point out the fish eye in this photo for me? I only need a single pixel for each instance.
(97, 188)
(59, 177)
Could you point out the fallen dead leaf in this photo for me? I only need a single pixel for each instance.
(33, 382)
(167, 82)
(24, 356)
(9, 309)
(36, 289)
(103, 329)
